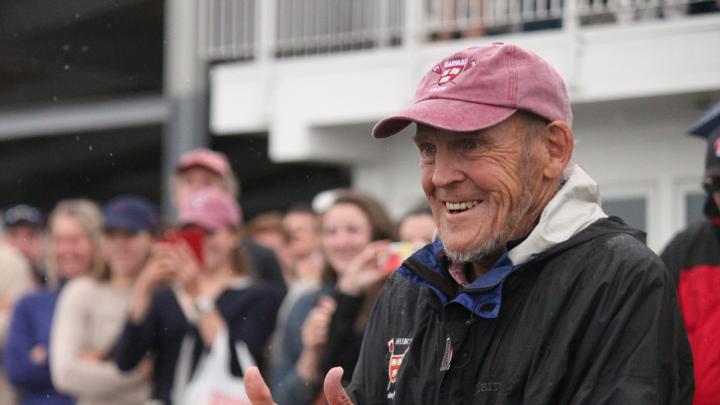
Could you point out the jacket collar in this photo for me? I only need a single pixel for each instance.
(574, 208)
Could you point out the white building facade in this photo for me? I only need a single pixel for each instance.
(315, 75)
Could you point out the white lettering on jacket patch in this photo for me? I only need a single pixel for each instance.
(397, 349)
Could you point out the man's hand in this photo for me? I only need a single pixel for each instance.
(259, 393)
(256, 388)
(335, 394)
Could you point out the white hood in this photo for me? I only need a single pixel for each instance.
(575, 206)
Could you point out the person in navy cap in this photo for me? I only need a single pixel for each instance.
(74, 228)
(91, 311)
(693, 258)
(25, 230)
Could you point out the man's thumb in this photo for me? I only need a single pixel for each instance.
(334, 392)
(255, 387)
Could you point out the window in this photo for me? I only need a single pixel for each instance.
(694, 203)
(632, 210)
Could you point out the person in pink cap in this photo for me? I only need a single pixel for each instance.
(531, 294)
(201, 168)
(181, 295)
(204, 168)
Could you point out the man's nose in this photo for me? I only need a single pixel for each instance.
(447, 170)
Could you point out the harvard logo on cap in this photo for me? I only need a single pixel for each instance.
(452, 69)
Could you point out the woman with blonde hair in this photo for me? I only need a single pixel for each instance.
(73, 251)
(91, 310)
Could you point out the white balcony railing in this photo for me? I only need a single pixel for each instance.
(256, 29)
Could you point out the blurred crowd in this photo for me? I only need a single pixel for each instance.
(107, 305)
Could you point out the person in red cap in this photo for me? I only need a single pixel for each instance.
(531, 294)
(693, 258)
(204, 168)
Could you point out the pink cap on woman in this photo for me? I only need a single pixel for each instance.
(209, 208)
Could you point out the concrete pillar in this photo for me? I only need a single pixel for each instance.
(185, 89)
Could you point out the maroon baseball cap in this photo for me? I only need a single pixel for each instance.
(209, 159)
(481, 86)
(209, 208)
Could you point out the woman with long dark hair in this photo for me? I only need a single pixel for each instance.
(324, 328)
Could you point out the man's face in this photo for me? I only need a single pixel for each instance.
(126, 252)
(196, 178)
(479, 185)
(303, 232)
(27, 239)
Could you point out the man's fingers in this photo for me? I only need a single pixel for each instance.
(257, 391)
(334, 391)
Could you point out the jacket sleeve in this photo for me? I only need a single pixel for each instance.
(671, 257)
(22, 337)
(343, 344)
(70, 373)
(634, 349)
(135, 341)
(15, 280)
(287, 386)
(255, 327)
(369, 377)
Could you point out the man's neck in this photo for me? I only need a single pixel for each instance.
(483, 265)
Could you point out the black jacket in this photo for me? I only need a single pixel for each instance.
(592, 320)
(249, 313)
(693, 259)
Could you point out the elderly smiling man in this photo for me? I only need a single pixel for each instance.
(531, 294)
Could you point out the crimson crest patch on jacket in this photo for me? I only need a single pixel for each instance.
(397, 348)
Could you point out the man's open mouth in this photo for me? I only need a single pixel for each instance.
(458, 207)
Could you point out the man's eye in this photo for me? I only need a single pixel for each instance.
(426, 149)
(470, 144)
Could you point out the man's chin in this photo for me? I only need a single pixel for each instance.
(459, 253)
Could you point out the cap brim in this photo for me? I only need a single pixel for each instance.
(199, 221)
(712, 172)
(22, 221)
(117, 223)
(450, 115)
(204, 165)
(708, 123)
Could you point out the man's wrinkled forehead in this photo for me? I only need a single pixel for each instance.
(423, 131)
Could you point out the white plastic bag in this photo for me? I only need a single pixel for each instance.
(212, 383)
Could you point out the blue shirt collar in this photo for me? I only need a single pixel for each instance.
(483, 296)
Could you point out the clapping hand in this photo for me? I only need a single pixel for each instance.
(259, 393)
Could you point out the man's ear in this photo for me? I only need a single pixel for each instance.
(559, 142)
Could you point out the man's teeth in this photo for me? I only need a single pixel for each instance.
(460, 206)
